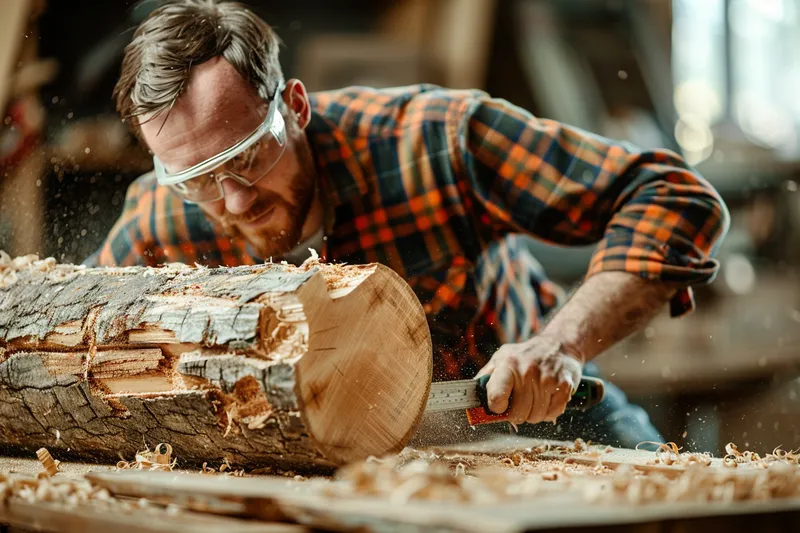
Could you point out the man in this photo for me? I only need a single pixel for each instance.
(445, 187)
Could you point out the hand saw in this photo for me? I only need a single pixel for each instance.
(470, 394)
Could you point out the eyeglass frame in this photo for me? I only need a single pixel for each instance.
(273, 123)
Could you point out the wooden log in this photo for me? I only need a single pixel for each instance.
(272, 365)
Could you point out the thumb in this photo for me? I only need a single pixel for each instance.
(571, 371)
(498, 389)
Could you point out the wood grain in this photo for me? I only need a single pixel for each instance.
(271, 365)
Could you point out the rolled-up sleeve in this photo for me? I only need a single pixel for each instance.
(647, 212)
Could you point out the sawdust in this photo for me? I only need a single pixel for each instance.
(461, 477)
(70, 492)
(526, 462)
(698, 484)
(669, 454)
(735, 458)
(11, 268)
(247, 405)
(417, 475)
(337, 275)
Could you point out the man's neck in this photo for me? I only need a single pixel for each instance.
(312, 235)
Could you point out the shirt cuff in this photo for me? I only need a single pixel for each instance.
(639, 254)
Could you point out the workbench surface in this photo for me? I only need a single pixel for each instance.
(265, 499)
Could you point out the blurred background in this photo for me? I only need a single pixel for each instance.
(715, 80)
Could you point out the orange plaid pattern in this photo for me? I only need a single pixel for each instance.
(445, 187)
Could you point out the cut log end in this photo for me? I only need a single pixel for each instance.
(305, 366)
(363, 384)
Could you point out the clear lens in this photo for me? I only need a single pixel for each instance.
(204, 188)
(246, 167)
(257, 164)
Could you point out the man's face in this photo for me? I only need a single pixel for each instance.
(217, 110)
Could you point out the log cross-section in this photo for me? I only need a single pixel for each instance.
(271, 365)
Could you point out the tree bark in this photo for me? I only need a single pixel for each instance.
(273, 365)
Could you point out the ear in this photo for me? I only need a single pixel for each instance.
(296, 99)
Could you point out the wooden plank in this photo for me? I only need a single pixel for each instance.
(30, 467)
(299, 501)
(46, 516)
(611, 457)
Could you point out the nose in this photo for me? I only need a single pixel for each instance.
(238, 198)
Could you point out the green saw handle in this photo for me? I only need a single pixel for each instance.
(590, 393)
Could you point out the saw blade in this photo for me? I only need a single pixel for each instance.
(450, 395)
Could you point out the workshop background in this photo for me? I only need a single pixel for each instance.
(715, 80)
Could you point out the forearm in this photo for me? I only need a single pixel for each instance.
(605, 309)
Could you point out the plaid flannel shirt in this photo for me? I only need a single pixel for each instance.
(426, 180)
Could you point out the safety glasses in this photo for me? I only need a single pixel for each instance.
(245, 162)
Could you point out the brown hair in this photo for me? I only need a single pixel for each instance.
(182, 33)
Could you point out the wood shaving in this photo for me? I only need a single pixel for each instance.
(9, 267)
(669, 454)
(490, 478)
(259, 421)
(49, 464)
(71, 492)
(339, 275)
(401, 482)
(699, 484)
(734, 457)
(155, 460)
(225, 468)
(468, 478)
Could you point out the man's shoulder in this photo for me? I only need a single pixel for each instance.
(141, 188)
(152, 212)
(374, 110)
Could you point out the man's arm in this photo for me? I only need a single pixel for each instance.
(605, 309)
(647, 212)
(655, 222)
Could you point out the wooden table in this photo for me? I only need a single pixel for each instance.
(258, 503)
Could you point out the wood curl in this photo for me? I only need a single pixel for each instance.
(49, 464)
(155, 460)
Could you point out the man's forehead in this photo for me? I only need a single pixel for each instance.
(217, 109)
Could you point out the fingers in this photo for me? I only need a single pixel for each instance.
(543, 389)
(563, 383)
(531, 385)
(498, 389)
(522, 399)
(558, 402)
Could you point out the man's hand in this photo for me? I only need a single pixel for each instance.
(538, 375)
(541, 374)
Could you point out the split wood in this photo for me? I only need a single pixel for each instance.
(259, 362)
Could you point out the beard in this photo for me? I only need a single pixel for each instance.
(283, 228)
